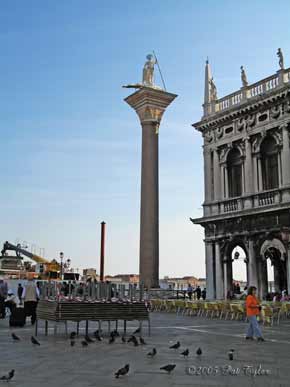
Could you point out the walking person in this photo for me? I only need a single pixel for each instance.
(253, 310)
(30, 296)
(3, 295)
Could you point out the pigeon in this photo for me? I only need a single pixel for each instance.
(123, 339)
(72, 335)
(199, 352)
(185, 353)
(116, 333)
(14, 337)
(112, 340)
(152, 353)
(97, 336)
(88, 339)
(72, 343)
(175, 346)
(8, 377)
(84, 343)
(231, 354)
(122, 371)
(131, 339)
(34, 341)
(168, 368)
(138, 330)
(135, 341)
(142, 341)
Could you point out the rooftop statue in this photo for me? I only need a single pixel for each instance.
(244, 77)
(213, 90)
(281, 58)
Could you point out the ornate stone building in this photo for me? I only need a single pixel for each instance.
(247, 181)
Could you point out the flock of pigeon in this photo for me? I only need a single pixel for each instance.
(113, 336)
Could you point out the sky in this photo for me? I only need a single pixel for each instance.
(71, 147)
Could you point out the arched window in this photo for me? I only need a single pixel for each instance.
(269, 160)
(234, 167)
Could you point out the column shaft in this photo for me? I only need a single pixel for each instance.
(253, 279)
(285, 156)
(149, 222)
(210, 288)
(248, 168)
(219, 272)
(217, 176)
(207, 175)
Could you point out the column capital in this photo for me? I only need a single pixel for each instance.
(150, 103)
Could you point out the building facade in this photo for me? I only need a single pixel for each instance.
(247, 181)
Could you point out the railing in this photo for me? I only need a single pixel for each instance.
(231, 205)
(266, 198)
(236, 204)
(262, 87)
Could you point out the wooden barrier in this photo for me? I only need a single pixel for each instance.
(63, 311)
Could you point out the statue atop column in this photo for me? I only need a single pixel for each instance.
(148, 71)
(213, 90)
(281, 58)
(244, 77)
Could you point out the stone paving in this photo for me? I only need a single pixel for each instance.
(56, 363)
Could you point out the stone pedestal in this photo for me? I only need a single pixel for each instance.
(150, 104)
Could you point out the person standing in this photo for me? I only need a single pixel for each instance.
(198, 292)
(253, 309)
(203, 294)
(3, 295)
(19, 292)
(189, 291)
(30, 296)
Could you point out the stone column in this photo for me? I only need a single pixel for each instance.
(255, 175)
(217, 175)
(225, 278)
(288, 268)
(253, 278)
(219, 272)
(210, 288)
(226, 182)
(285, 156)
(260, 177)
(248, 173)
(207, 174)
(149, 104)
(264, 277)
(276, 280)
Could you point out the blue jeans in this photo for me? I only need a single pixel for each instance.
(253, 328)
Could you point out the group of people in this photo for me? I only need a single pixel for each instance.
(196, 293)
(26, 297)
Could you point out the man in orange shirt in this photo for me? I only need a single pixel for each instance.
(253, 310)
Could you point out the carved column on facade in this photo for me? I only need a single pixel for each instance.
(253, 278)
(217, 175)
(210, 281)
(288, 267)
(262, 277)
(219, 272)
(248, 171)
(285, 160)
(207, 174)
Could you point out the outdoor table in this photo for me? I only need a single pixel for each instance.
(71, 310)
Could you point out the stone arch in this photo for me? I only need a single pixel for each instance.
(234, 243)
(274, 243)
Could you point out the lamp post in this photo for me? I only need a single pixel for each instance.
(61, 264)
